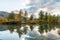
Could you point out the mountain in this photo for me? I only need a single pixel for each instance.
(3, 14)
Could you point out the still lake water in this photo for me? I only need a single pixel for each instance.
(23, 32)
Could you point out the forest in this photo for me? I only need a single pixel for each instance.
(22, 18)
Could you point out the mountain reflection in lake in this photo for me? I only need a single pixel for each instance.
(29, 32)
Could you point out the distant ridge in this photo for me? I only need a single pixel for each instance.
(3, 14)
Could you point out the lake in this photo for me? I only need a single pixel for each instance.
(29, 32)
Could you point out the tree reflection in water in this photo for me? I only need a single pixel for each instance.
(11, 28)
(22, 29)
(18, 29)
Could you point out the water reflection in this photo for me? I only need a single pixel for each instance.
(28, 30)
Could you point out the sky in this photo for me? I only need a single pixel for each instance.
(31, 6)
(52, 6)
(11, 5)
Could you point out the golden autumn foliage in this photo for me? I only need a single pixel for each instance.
(4, 19)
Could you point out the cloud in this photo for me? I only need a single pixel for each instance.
(49, 5)
(36, 4)
(11, 5)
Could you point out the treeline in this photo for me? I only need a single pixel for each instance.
(22, 17)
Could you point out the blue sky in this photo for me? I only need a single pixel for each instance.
(9, 5)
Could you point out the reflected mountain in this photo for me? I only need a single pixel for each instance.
(3, 28)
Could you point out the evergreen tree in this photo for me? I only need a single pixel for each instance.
(31, 17)
(41, 15)
(54, 18)
(50, 18)
(26, 14)
(41, 29)
(46, 27)
(31, 27)
(25, 29)
(46, 17)
(11, 15)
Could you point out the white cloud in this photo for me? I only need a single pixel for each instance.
(11, 5)
(46, 5)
